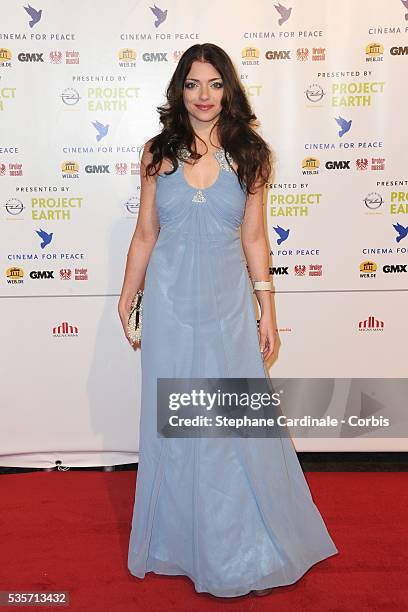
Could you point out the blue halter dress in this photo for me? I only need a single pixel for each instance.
(232, 514)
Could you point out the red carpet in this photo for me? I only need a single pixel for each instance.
(69, 531)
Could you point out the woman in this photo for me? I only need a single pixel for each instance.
(233, 514)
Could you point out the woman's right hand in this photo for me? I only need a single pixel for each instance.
(124, 305)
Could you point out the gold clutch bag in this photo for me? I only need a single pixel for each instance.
(135, 317)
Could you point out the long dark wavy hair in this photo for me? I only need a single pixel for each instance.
(236, 123)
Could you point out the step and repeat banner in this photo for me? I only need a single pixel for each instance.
(79, 87)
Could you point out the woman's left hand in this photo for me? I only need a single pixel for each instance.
(267, 336)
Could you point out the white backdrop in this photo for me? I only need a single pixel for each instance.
(78, 93)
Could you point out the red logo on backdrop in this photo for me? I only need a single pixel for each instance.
(65, 274)
(81, 273)
(371, 324)
(300, 270)
(65, 329)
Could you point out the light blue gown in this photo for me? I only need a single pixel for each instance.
(232, 514)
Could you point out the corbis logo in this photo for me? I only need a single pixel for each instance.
(374, 52)
(127, 58)
(65, 330)
(368, 269)
(371, 324)
(70, 169)
(250, 56)
(15, 275)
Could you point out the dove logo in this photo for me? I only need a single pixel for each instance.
(65, 330)
(5, 58)
(401, 230)
(371, 324)
(282, 234)
(338, 165)
(34, 15)
(45, 238)
(30, 57)
(368, 269)
(344, 125)
(101, 129)
(399, 50)
(159, 14)
(15, 276)
(284, 13)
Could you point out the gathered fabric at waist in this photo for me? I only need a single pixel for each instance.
(226, 236)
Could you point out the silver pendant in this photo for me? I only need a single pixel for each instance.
(199, 196)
